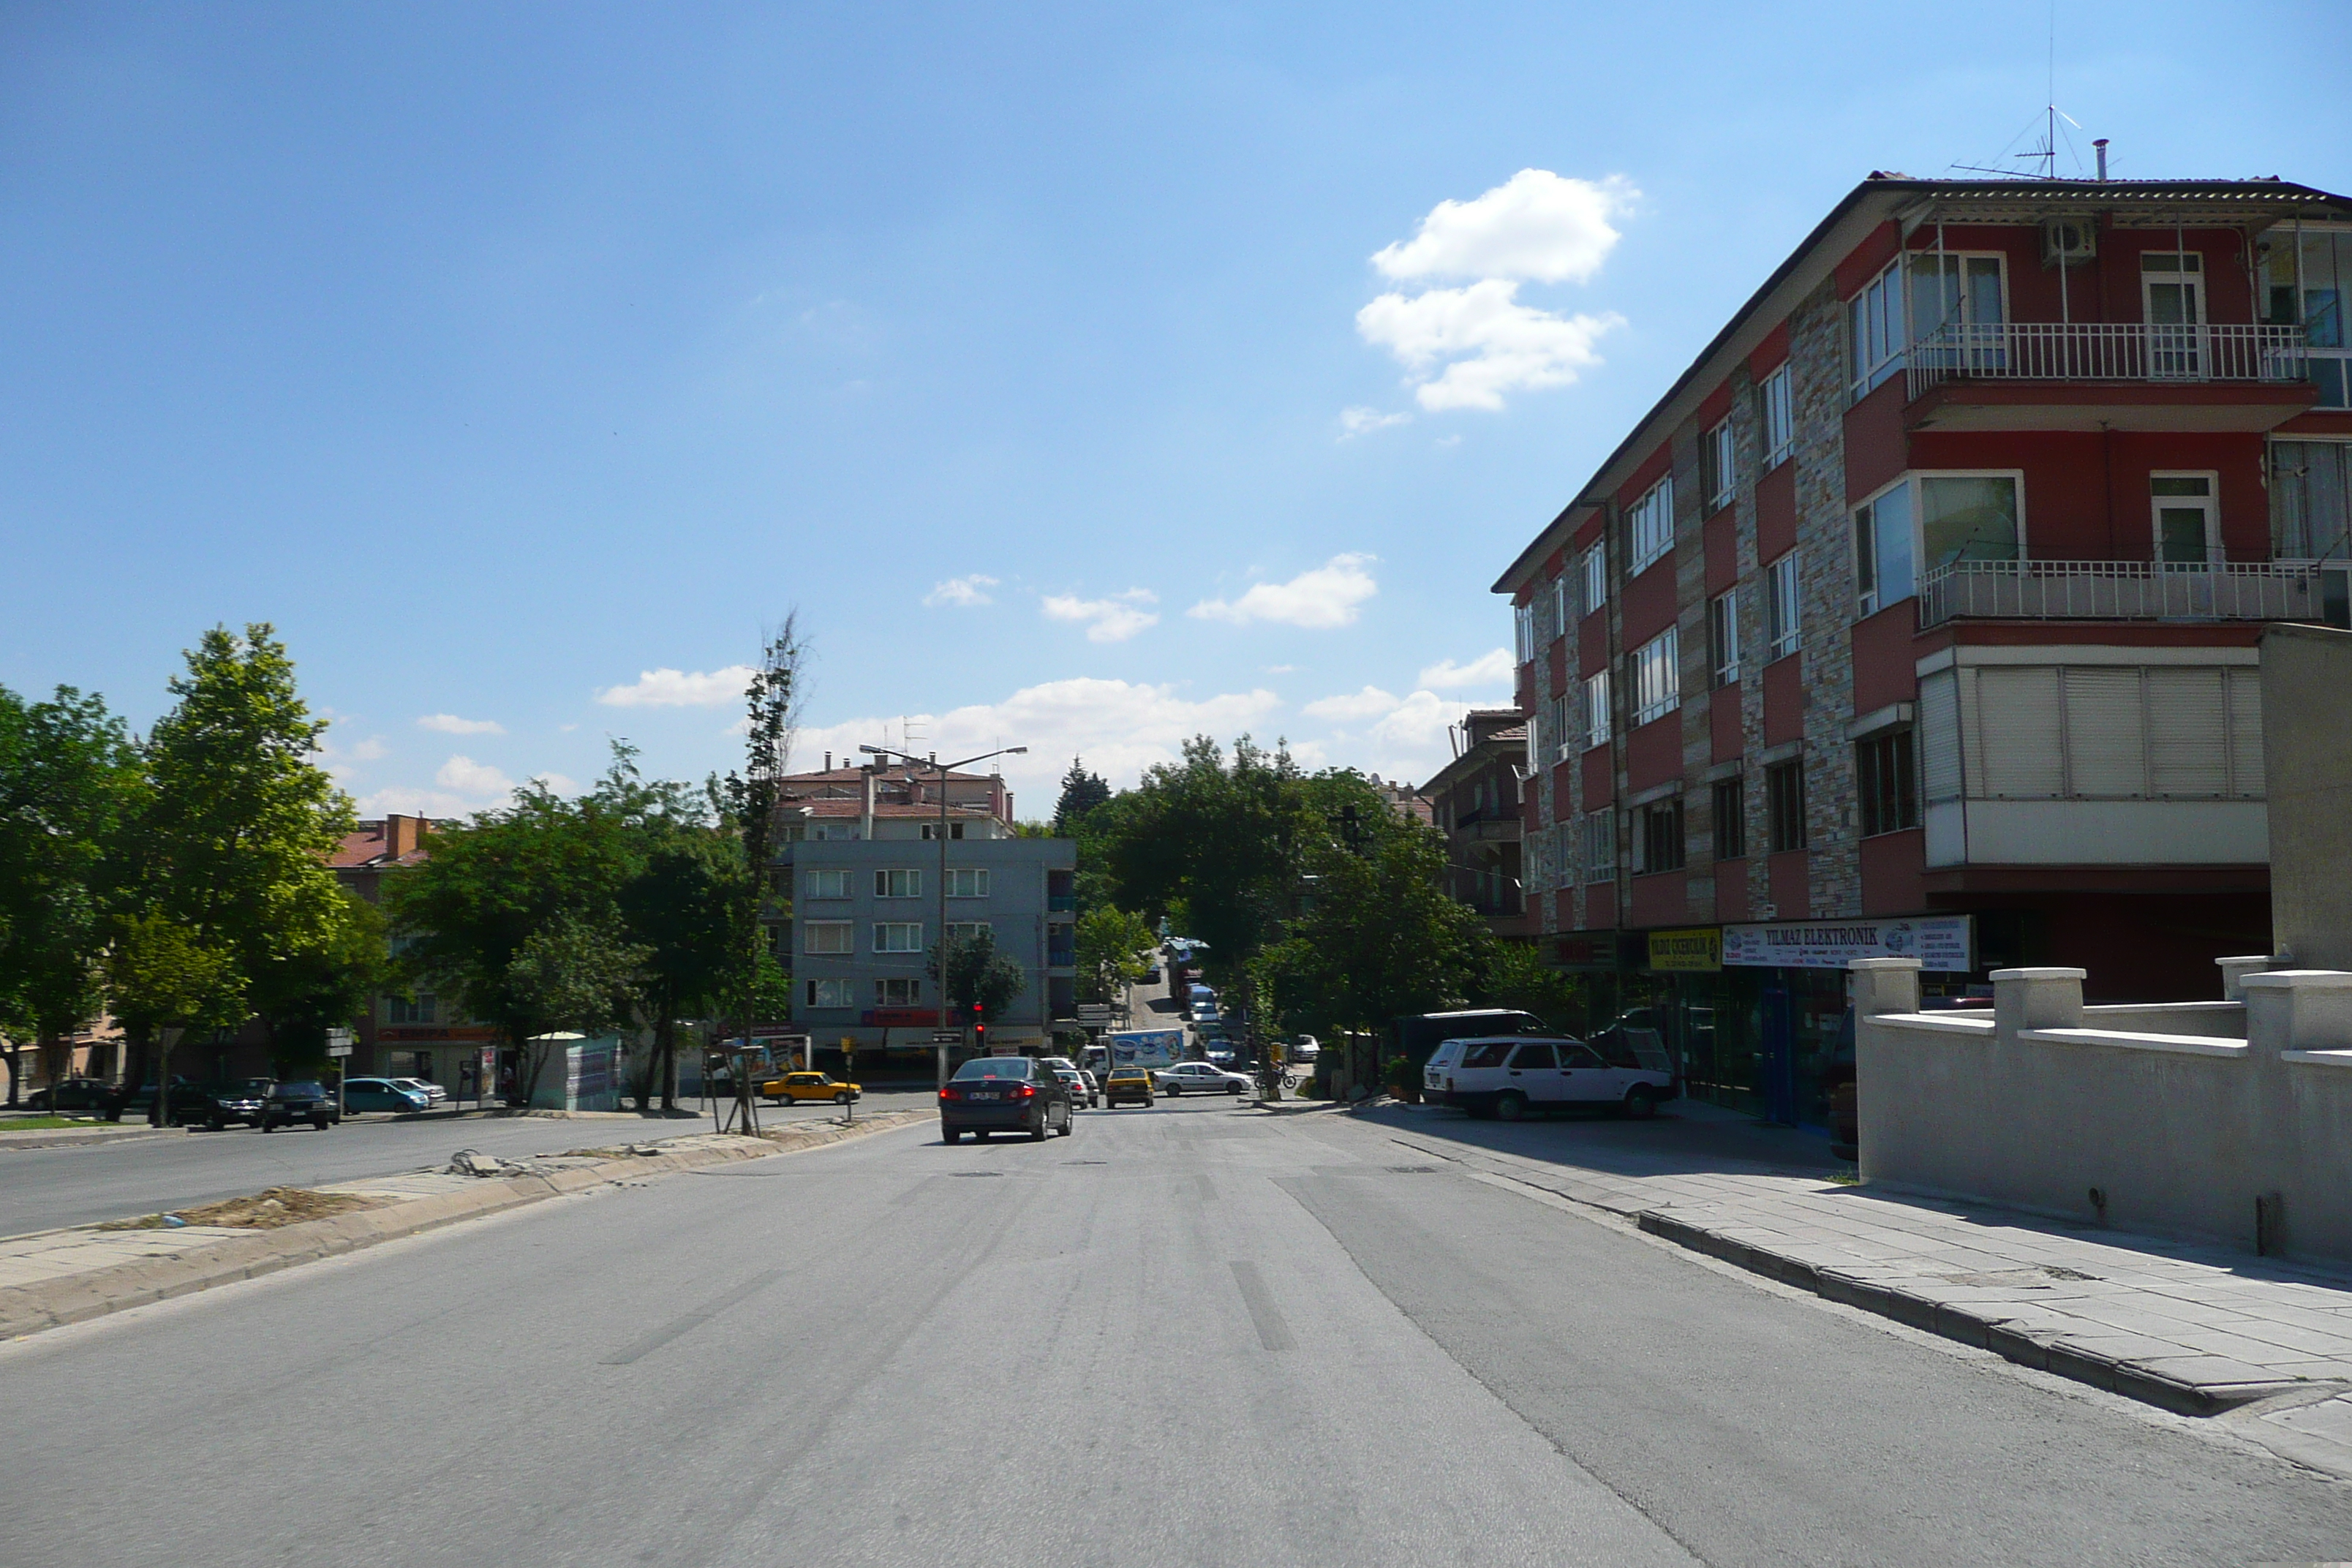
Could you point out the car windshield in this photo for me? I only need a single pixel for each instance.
(995, 1066)
(300, 1090)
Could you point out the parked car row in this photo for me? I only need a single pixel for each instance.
(1513, 1076)
(261, 1103)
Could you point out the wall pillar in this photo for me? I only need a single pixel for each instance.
(2298, 1010)
(1885, 985)
(2036, 999)
(2235, 970)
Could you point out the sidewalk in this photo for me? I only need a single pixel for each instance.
(2193, 1329)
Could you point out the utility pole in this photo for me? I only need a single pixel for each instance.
(940, 1014)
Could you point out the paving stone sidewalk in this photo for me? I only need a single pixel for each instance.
(2194, 1329)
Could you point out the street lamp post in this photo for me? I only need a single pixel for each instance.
(939, 1012)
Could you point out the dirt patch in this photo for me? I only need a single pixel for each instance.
(264, 1210)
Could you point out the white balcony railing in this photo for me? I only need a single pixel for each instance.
(2121, 591)
(2106, 350)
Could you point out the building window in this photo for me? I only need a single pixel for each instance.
(1600, 846)
(2188, 520)
(897, 884)
(1784, 805)
(832, 832)
(1967, 517)
(1717, 470)
(1596, 710)
(418, 1009)
(1882, 773)
(1723, 637)
(1561, 617)
(1779, 418)
(897, 936)
(1874, 332)
(1650, 525)
(1780, 608)
(1957, 311)
(1596, 579)
(1731, 819)
(2319, 272)
(832, 993)
(897, 991)
(965, 931)
(831, 938)
(1658, 837)
(2311, 499)
(1523, 631)
(932, 831)
(967, 882)
(1882, 549)
(827, 884)
(1657, 679)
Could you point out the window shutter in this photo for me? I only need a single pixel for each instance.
(2187, 733)
(2019, 720)
(1939, 736)
(2107, 735)
(2245, 719)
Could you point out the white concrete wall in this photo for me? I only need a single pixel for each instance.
(2175, 1126)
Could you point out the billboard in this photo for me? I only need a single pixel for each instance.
(1146, 1047)
(1940, 943)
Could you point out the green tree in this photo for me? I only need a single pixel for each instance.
(69, 780)
(1380, 937)
(681, 909)
(750, 801)
(576, 974)
(237, 827)
(1113, 949)
(166, 979)
(978, 970)
(1081, 793)
(1513, 975)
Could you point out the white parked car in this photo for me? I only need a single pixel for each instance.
(433, 1092)
(1510, 1077)
(1200, 1078)
(1303, 1048)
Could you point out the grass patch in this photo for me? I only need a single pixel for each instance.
(45, 1124)
(265, 1210)
(1847, 1179)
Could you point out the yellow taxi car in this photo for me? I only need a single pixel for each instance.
(803, 1087)
(1126, 1083)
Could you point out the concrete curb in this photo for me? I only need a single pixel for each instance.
(2054, 1356)
(29, 1309)
(84, 1137)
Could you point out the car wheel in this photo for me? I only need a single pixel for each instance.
(268, 1125)
(951, 1135)
(980, 1135)
(1512, 1107)
(842, 1099)
(1067, 1126)
(1232, 1089)
(1640, 1104)
(1037, 1134)
(215, 1125)
(319, 1123)
(1173, 1090)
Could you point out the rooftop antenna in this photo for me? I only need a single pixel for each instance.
(2048, 129)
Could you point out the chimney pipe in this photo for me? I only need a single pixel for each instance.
(828, 762)
(2100, 146)
(866, 807)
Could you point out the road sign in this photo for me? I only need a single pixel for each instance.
(339, 1050)
(947, 1037)
(1094, 1012)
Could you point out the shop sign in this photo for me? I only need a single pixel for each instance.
(900, 1018)
(1941, 943)
(1699, 950)
(1589, 951)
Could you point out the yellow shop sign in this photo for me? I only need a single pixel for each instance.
(1700, 948)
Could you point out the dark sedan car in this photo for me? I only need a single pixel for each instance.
(1004, 1094)
(74, 1094)
(291, 1102)
(240, 1103)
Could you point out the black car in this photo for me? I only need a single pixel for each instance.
(1004, 1094)
(290, 1102)
(239, 1102)
(74, 1094)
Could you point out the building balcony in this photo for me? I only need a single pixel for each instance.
(2123, 375)
(2133, 591)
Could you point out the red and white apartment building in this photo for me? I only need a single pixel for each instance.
(1919, 616)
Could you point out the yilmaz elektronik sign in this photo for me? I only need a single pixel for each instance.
(1942, 944)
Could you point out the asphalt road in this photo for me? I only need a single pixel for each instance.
(46, 1189)
(1195, 1334)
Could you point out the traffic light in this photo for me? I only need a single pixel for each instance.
(979, 1029)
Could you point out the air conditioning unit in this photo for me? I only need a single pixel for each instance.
(2066, 241)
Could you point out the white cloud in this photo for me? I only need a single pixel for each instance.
(367, 750)
(468, 777)
(1320, 599)
(1487, 669)
(1276, 668)
(1496, 345)
(1365, 704)
(1121, 728)
(677, 688)
(1355, 422)
(963, 591)
(450, 724)
(1114, 620)
(1537, 226)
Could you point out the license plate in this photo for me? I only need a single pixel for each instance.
(984, 1094)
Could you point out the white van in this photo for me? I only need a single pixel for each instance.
(1511, 1077)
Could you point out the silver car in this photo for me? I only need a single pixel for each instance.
(1200, 1078)
(1082, 1085)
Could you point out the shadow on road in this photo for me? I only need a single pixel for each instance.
(1682, 1139)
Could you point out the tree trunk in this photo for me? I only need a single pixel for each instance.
(665, 1059)
(15, 1073)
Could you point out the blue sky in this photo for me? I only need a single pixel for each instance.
(522, 363)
